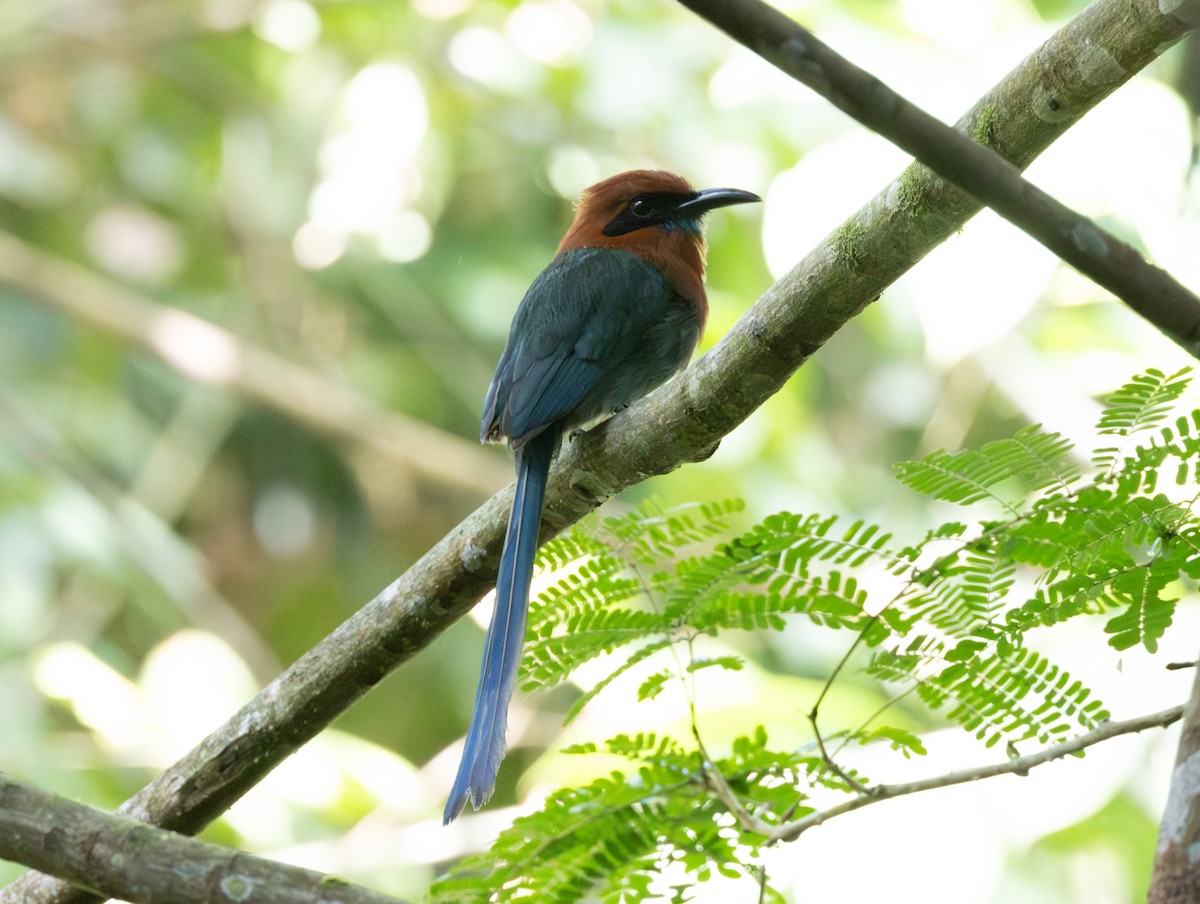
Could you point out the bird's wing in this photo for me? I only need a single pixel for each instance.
(574, 330)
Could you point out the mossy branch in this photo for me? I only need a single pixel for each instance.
(129, 859)
(976, 157)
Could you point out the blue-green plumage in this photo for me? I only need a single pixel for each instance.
(598, 329)
(617, 312)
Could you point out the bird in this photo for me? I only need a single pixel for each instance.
(618, 311)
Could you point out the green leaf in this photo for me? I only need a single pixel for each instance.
(729, 663)
(1034, 458)
(1142, 402)
(899, 739)
(1147, 615)
(1138, 406)
(652, 686)
(651, 535)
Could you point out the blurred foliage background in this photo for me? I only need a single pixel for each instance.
(364, 190)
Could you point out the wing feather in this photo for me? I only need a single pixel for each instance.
(597, 329)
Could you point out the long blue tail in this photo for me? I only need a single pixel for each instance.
(502, 652)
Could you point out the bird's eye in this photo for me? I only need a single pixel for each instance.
(640, 207)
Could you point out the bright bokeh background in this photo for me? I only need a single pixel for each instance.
(366, 188)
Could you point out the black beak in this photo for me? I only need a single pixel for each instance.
(712, 198)
(659, 208)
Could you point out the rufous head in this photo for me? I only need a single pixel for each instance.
(655, 215)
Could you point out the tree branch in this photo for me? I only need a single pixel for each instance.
(683, 421)
(209, 354)
(1020, 765)
(793, 829)
(140, 863)
(1176, 876)
(955, 155)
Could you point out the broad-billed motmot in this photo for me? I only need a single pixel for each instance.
(618, 311)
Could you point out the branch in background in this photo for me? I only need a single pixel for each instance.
(1150, 291)
(129, 859)
(683, 421)
(206, 353)
(145, 536)
(1176, 876)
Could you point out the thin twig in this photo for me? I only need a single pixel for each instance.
(879, 711)
(830, 763)
(1015, 766)
(790, 830)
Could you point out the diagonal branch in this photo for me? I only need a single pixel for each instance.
(684, 421)
(988, 177)
(143, 864)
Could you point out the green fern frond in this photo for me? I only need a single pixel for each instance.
(768, 781)
(1015, 695)
(1147, 613)
(550, 657)
(1139, 405)
(832, 600)
(893, 667)
(899, 739)
(1033, 457)
(653, 686)
(594, 583)
(966, 593)
(778, 552)
(908, 665)
(1101, 524)
(1142, 402)
(650, 534)
(579, 542)
(799, 540)
(586, 841)
(728, 663)
(694, 580)
(986, 578)
(648, 746)
(1140, 470)
(1043, 541)
(963, 589)
(991, 687)
(1039, 459)
(606, 840)
(1120, 553)
(702, 592)
(962, 477)
(583, 614)
(942, 535)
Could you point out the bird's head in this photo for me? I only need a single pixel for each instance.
(644, 205)
(655, 215)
